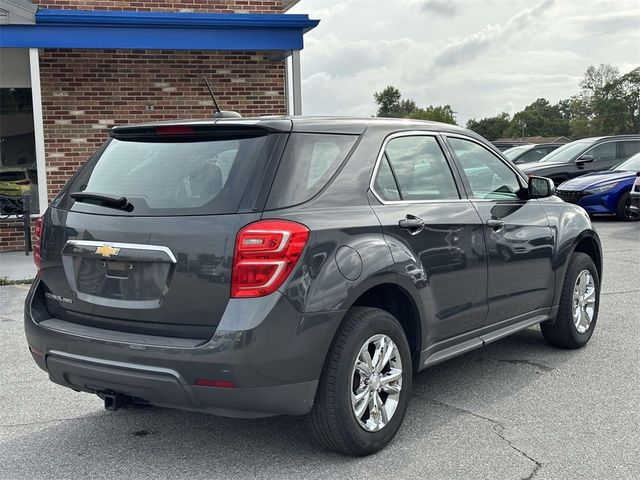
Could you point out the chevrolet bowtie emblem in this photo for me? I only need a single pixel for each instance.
(107, 251)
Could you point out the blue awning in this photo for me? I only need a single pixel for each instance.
(159, 31)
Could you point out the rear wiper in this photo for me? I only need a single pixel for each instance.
(115, 201)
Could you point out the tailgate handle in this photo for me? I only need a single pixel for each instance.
(110, 250)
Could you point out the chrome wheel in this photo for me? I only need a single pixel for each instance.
(584, 301)
(376, 381)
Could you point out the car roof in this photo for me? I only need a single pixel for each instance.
(353, 125)
(609, 137)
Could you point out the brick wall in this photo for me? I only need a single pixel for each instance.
(85, 92)
(221, 6)
(12, 235)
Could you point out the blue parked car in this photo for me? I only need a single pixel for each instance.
(605, 192)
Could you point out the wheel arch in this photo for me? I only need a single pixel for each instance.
(398, 302)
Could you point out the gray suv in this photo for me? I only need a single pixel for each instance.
(256, 267)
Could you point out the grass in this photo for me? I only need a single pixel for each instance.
(6, 281)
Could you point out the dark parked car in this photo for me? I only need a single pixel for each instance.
(530, 153)
(361, 252)
(584, 156)
(605, 192)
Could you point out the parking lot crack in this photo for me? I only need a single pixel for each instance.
(516, 361)
(498, 428)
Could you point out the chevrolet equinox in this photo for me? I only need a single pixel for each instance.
(301, 266)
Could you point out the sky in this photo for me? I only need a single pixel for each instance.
(482, 57)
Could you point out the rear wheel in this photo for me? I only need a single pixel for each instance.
(578, 309)
(365, 385)
(623, 209)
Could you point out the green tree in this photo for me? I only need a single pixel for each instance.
(624, 93)
(490, 128)
(391, 104)
(388, 101)
(444, 114)
(607, 103)
(539, 118)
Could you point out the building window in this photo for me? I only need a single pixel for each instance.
(18, 166)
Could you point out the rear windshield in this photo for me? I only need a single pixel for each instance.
(309, 162)
(173, 178)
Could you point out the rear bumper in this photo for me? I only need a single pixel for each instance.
(270, 353)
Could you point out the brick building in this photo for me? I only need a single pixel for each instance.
(71, 69)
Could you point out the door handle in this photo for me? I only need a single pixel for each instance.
(495, 223)
(412, 223)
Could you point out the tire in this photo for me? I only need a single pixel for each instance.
(563, 332)
(622, 209)
(333, 420)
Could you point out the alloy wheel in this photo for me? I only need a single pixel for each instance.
(376, 382)
(584, 301)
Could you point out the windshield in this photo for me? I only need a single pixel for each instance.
(513, 152)
(631, 164)
(567, 153)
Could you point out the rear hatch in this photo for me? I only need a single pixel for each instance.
(142, 238)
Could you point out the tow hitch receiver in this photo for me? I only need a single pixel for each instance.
(114, 401)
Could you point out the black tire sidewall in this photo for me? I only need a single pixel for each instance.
(580, 263)
(377, 322)
(620, 212)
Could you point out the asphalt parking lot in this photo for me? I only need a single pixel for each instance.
(517, 409)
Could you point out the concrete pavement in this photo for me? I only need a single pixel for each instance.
(517, 409)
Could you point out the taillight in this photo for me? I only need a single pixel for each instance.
(36, 246)
(265, 253)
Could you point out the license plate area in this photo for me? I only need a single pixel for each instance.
(115, 269)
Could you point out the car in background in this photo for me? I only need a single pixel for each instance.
(14, 182)
(635, 195)
(530, 153)
(584, 156)
(503, 145)
(606, 192)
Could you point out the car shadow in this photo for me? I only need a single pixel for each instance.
(139, 441)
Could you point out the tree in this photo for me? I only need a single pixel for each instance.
(595, 78)
(391, 104)
(444, 114)
(607, 103)
(490, 128)
(539, 118)
(625, 92)
(388, 101)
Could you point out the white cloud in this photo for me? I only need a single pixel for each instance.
(482, 58)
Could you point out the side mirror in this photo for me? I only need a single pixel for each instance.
(541, 187)
(586, 158)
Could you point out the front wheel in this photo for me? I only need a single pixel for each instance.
(364, 389)
(579, 302)
(623, 209)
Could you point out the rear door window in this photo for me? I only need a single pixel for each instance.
(627, 148)
(420, 168)
(309, 162)
(603, 152)
(173, 177)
